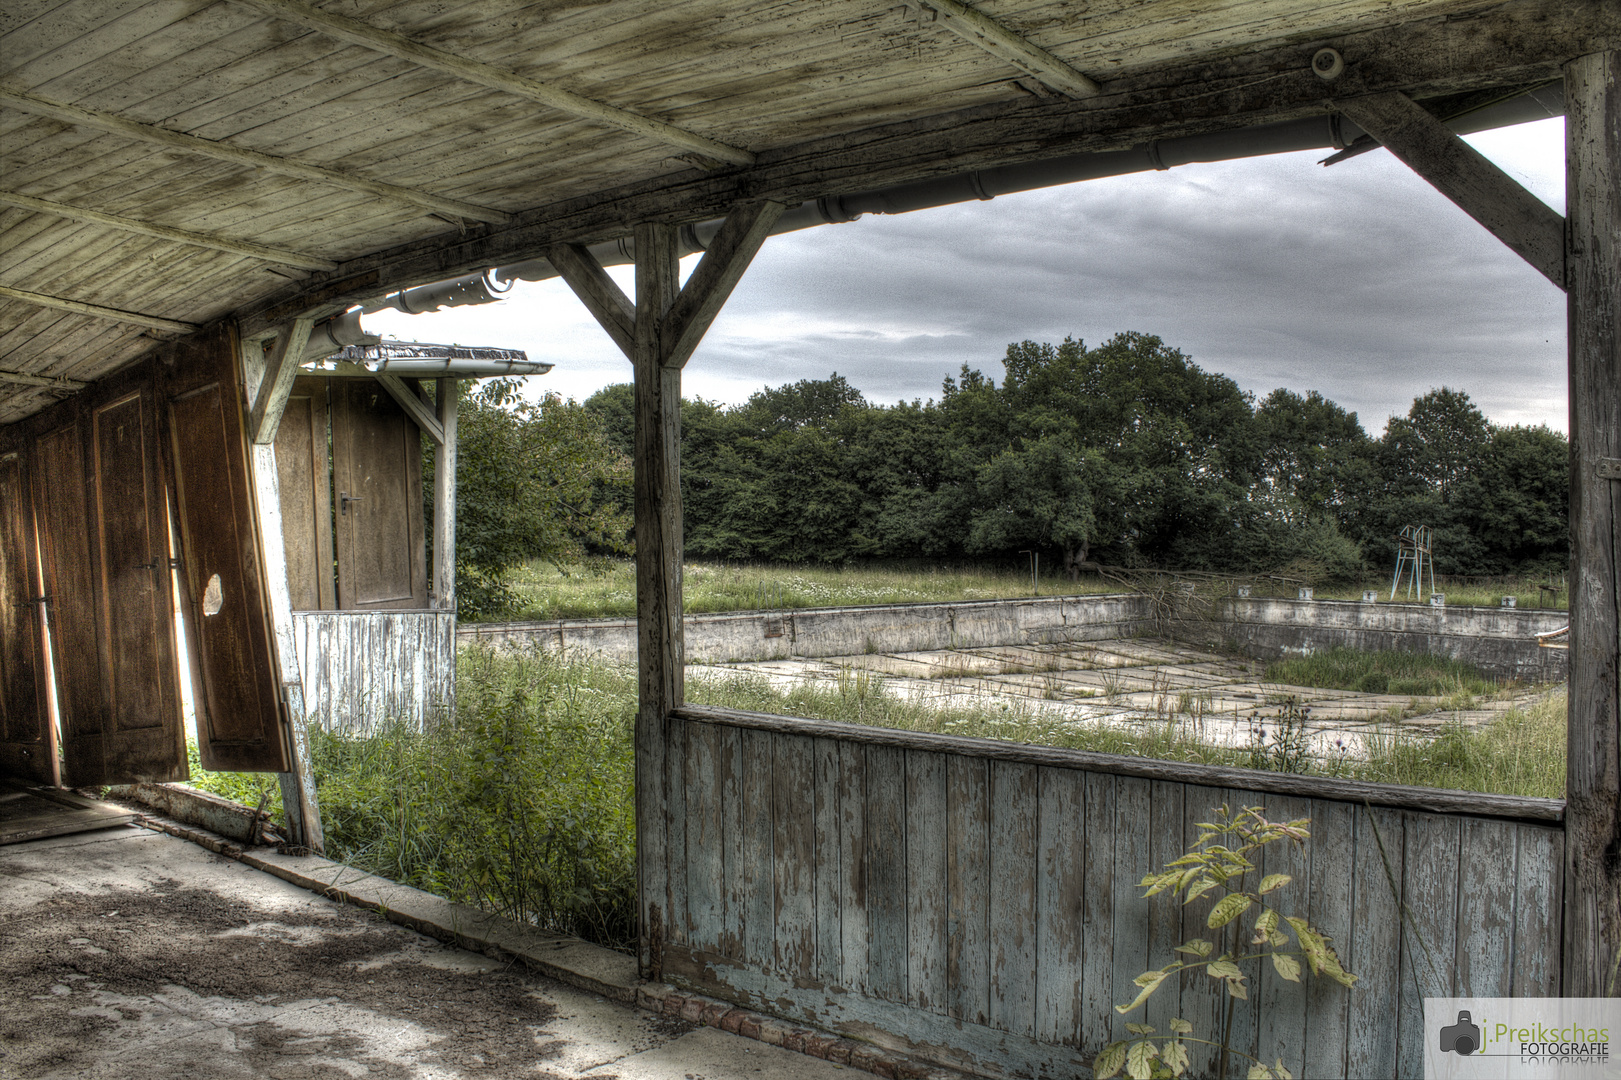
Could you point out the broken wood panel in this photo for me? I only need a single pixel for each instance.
(26, 750)
(143, 737)
(377, 488)
(303, 474)
(238, 701)
(361, 669)
(1062, 928)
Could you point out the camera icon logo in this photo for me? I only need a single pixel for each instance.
(1462, 1038)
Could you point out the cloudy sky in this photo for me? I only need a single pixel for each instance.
(1358, 280)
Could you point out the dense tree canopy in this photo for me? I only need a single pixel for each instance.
(1126, 453)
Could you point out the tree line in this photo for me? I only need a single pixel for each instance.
(1126, 453)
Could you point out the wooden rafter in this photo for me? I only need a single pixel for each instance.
(80, 308)
(179, 140)
(565, 101)
(164, 232)
(984, 32)
(1460, 172)
(45, 381)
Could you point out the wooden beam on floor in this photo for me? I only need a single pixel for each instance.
(1463, 174)
(280, 256)
(236, 155)
(78, 307)
(984, 32)
(1592, 916)
(277, 384)
(398, 45)
(714, 278)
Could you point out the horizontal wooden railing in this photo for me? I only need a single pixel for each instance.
(975, 902)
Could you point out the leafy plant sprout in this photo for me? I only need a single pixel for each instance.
(1220, 862)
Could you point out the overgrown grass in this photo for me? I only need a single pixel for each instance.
(1385, 672)
(525, 805)
(1524, 590)
(607, 587)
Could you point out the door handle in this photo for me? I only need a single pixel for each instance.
(344, 499)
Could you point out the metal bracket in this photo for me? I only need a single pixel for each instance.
(1608, 468)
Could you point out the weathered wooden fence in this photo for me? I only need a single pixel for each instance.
(975, 903)
(362, 668)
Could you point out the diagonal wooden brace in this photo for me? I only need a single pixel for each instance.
(277, 384)
(1460, 172)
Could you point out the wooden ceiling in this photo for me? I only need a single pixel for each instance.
(167, 163)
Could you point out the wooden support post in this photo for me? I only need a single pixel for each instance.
(277, 385)
(444, 498)
(1592, 924)
(297, 786)
(658, 333)
(1464, 175)
(660, 656)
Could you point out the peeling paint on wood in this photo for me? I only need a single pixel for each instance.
(362, 668)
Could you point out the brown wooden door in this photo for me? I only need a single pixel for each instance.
(142, 736)
(26, 747)
(238, 701)
(303, 472)
(377, 492)
(63, 516)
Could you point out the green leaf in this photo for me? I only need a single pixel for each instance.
(1231, 907)
(1287, 966)
(1140, 1060)
(1235, 988)
(1259, 1072)
(1280, 1072)
(1111, 1061)
(1148, 988)
(1180, 1026)
(1197, 947)
(1274, 881)
(1223, 969)
(1204, 886)
(1140, 1029)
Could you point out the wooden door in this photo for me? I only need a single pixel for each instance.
(377, 492)
(63, 515)
(238, 699)
(142, 736)
(26, 748)
(303, 473)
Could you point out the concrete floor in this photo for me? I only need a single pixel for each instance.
(128, 953)
(1134, 683)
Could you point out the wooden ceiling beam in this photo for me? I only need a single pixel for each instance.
(1514, 43)
(280, 256)
(1529, 226)
(41, 380)
(475, 71)
(236, 155)
(984, 32)
(78, 307)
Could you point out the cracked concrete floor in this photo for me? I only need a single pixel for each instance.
(132, 954)
(1130, 682)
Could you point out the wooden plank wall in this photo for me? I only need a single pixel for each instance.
(362, 668)
(983, 912)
